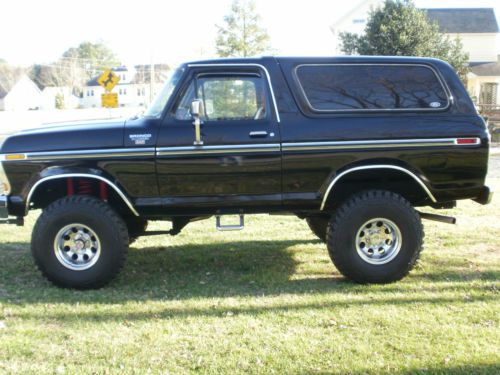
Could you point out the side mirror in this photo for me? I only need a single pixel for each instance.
(196, 108)
(196, 112)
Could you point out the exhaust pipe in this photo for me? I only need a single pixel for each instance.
(440, 218)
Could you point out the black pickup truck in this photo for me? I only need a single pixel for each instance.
(351, 144)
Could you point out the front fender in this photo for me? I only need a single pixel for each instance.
(21, 203)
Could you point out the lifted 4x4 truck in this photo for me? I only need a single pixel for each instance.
(352, 145)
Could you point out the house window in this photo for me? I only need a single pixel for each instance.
(358, 21)
(138, 92)
(489, 93)
(143, 91)
(120, 91)
(92, 92)
(124, 91)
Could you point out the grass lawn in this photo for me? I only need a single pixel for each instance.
(264, 300)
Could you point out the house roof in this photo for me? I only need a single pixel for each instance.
(486, 69)
(8, 78)
(464, 20)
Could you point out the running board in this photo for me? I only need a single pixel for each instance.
(226, 227)
(440, 218)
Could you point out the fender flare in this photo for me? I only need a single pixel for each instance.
(375, 166)
(120, 193)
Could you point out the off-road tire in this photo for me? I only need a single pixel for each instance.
(318, 226)
(136, 227)
(94, 214)
(345, 225)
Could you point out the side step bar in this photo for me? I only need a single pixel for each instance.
(227, 227)
(440, 218)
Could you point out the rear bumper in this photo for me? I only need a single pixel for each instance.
(485, 197)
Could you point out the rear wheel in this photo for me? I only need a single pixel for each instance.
(375, 237)
(79, 242)
(318, 225)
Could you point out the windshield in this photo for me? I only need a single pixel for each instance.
(156, 108)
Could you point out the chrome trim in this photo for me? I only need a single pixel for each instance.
(260, 66)
(443, 84)
(4, 179)
(77, 175)
(378, 166)
(388, 143)
(220, 149)
(90, 154)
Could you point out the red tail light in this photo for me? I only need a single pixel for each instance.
(467, 141)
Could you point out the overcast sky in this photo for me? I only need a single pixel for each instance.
(143, 31)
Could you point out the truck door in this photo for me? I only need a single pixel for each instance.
(239, 160)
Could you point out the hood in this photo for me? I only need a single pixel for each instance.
(67, 136)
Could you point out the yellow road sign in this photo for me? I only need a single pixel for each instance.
(109, 100)
(108, 80)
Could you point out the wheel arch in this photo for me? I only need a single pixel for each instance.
(359, 170)
(87, 175)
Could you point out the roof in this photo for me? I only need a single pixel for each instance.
(486, 69)
(464, 20)
(266, 60)
(9, 76)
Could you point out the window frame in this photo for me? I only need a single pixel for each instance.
(310, 107)
(193, 78)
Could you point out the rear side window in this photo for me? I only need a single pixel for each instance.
(371, 87)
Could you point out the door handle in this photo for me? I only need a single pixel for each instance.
(258, 134)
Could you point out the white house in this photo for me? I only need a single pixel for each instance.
(19, 94)
(50, 96)
(133, 89)
(478, 30)
(353, 21)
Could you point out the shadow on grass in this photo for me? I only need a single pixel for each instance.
(475, 369)
(230, 269)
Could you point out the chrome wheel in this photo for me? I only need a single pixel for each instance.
(77, 247)
(378, 241)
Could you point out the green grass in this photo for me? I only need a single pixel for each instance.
(264, 300)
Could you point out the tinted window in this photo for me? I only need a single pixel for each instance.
(371, 87)
(225, 98)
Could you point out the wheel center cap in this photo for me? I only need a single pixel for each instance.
(79, 245)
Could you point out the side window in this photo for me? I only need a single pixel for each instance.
(182, 111)
(339, 87)
(225, 98)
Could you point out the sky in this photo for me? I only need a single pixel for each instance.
(34, 31)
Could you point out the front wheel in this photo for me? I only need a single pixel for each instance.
(79, 242)
(375, 237)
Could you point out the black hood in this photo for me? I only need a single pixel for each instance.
(67, 136)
